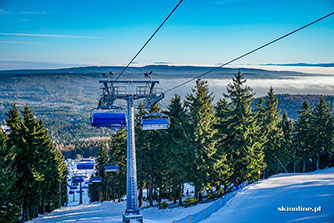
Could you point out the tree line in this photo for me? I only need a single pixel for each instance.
(214, 146)
(33, 178)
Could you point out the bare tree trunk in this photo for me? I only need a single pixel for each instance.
(27, 218)
(151, 187)
(119, 190)
(181, 195)
(140, 196)
(317, 162)
(43, 205)
(304, 166)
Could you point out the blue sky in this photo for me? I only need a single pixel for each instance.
(109, 32)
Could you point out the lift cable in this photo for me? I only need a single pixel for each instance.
(141, 49)
(250, 52)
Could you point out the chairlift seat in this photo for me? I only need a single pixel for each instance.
(155, 123)
(73, 187)
(111, 167)
(78, 179)
(71, 192)
(89, 182)
(85, 166)
(108, 119)
(96, 179)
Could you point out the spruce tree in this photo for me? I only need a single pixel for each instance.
(286, 126)
(177, 139)
(141, 154)
(202, 136)
(322, 126)
(244, 141)
(102, 160)
(302, 137)
(275, 156)
(9, 207)
(118, 155)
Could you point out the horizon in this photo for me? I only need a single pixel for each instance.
(102, 34)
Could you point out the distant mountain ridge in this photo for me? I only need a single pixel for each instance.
(304, 64)
(162, 71)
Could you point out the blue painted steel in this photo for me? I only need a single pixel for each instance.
(153, 121)
(73, 187)
(85, 166)
(78, 191)
(111, 168)
(84, 187)
(71, 192)
(78, 179)
(108, 119)
(89, 182)
(96, 179)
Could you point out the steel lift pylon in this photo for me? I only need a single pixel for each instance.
(130, 91)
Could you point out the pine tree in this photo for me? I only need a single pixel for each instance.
(202, 136)
(322, 125)
(244, 141)
(302, 136)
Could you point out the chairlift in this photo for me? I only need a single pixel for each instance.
(109, 120)
(111, 167)
(84, 187)
(96, 179)
(78, 179)
(85, 165)
(89, 182)
(155, 121)
(71, 192)
(73, 187)
(78, 191)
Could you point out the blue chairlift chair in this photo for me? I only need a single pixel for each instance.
(111, 167)
(109, 120)
(155, 121)
(96, 179)
(78, 179)
(85, 165)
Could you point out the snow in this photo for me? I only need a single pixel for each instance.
(259, 202)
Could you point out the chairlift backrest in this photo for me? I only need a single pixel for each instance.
(85, 166)
(111, 167)
(155, 121)
(78, 179)
(96, 179)
(108, 119)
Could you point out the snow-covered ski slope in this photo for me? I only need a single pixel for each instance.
(259, 202)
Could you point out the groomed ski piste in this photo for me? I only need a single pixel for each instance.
(281, 198)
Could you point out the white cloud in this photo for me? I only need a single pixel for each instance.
(50, 35)
(3, 12)
(33, 13)
(20, 42)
